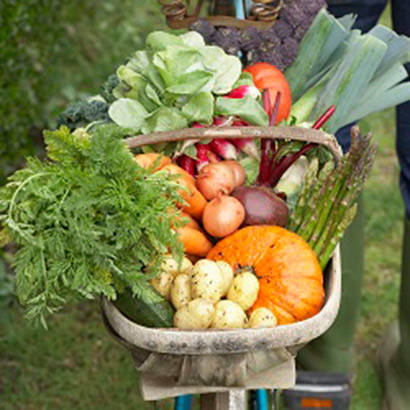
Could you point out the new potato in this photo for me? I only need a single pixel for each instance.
(207, 281)
(162, 283)
(197, 314)
(244, 290)
(227, 275)
(262, 317)
(228, 315)
(170, 265)
(181, 290)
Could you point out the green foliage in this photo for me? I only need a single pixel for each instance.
(88, 223)
(53, 52)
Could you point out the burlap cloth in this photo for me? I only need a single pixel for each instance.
(169, 375)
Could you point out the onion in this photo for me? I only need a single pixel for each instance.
(215, 179)
(238, 172)
(223, 216)
(262, 206)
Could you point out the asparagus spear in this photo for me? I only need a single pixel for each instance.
(304, 193)
(326, 205)
(331, 245)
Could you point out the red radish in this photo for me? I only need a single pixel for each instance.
(201, 154)
(187, 164)
(222, 121)
(247, 145)
(243, 91)
(223, 148)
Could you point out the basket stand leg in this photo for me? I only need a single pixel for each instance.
(230, 400)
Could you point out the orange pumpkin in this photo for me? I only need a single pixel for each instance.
(290, 278)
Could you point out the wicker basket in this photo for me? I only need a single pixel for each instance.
(263, 14)
(175, 362)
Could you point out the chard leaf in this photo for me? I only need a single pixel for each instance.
(152, 95)
(141, 62)
(164, 119)
(127, 113)
(246, 108)
(192, 39)
(190, 83)
(227, 68)
(133, 85)
(200, 108)
(176, 61)
(244, 79)
(160, 40)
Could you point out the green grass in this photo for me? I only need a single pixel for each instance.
(75, 364)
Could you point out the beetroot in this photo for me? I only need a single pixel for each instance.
(262, 206)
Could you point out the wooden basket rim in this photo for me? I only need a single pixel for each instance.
(279, 132)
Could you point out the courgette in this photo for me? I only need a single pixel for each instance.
(148, 308)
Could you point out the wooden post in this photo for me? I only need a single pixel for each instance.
(230, 400)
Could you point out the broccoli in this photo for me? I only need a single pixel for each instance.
(277, 45)
(82, 113)
(108, 87)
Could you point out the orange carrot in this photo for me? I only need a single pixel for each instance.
(195, 242)
(152, 158)
(191, 221)
(176, 170)
(180, 215)
(195, 200)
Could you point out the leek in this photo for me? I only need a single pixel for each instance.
(318, 44)
(349, 82)
(359, 73)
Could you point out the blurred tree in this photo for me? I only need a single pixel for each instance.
(55, 51)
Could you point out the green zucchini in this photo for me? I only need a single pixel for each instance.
(148, 308)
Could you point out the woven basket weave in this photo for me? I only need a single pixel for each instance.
(263, 14)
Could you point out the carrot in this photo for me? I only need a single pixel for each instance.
(176, 170)
(152, 158)
(195, 242)
(191, 221)
(180, 215)
(195, 200)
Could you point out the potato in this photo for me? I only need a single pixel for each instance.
(181, 291)
(244, 290)
(262, 317)
(162, 283)
(207, 281)
(186, 267)
(228, 315)
(197, 314)
(227, 275)
(170, 265)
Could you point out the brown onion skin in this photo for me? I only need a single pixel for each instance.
(215, 179)
(223, 216)
(237, 170)
(262, 206)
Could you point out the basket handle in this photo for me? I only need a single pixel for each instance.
(279, 132)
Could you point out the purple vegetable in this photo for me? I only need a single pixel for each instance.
(262, 206)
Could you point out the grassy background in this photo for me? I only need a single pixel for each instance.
(76, 364)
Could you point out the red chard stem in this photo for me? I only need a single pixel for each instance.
(285, 163)
(324, 118)
(274, 113)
